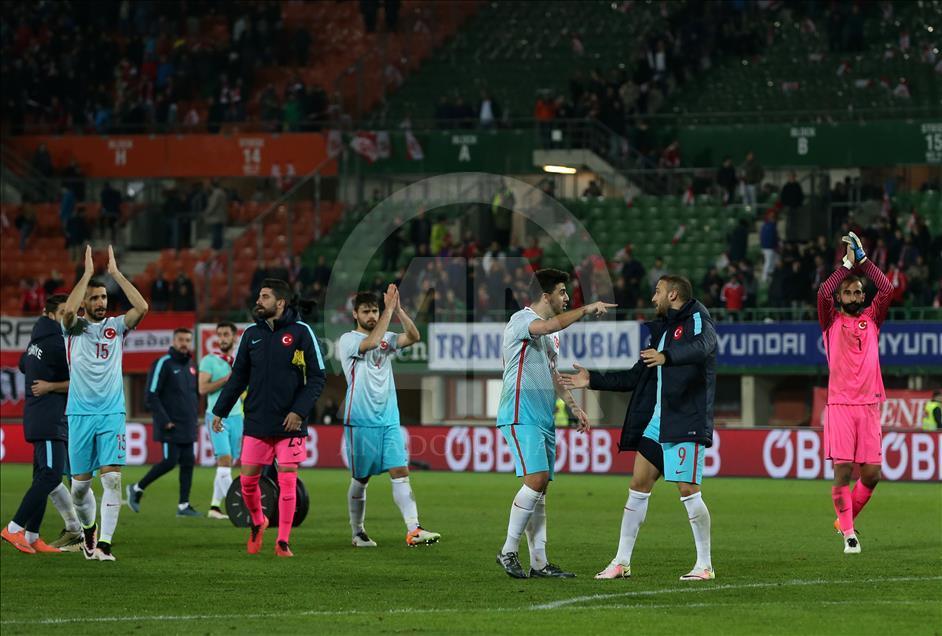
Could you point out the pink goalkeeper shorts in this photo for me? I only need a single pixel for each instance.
(852, 434)
(261, 452)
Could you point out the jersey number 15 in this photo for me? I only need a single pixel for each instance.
(101, 350)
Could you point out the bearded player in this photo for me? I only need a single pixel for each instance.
(852, 434)
(96, 406)
(376, 443)
(215, 370)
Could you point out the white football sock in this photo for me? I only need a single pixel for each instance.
(520, 513)
(221, 484)
(62, 500)
(110, 505)
(14, 527)
(31, 537)
(356, 505)
(84, 499)
(405, 499)
(536, 534)
(635, 510)
(700, 524)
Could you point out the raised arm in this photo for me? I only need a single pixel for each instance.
(829, 287)
(411, 334)
(138, 304)
(77, 294)
(390, 300)
(620, 381)
(881, 302)
(540, 327)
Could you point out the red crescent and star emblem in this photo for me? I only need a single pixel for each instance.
(110, 333)
(287, 340)
(678, 332)
(384, 345)
(862, 324)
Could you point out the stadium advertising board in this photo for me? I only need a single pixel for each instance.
(141, 347)
(802, 344)
(902, 409)
(615, 345)
(477, 346)
(777, 453)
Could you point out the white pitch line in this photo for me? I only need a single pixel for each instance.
(484, 610)
(707, 587)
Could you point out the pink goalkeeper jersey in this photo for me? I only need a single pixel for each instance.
(852, 343)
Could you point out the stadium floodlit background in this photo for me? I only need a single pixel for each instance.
(217, 144)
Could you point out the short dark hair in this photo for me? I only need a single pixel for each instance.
(95, 282)
(53, 302)
(226, 324)
(546, 280)
(181, 330)
(278, 287)
(680, 284)
(367, 298)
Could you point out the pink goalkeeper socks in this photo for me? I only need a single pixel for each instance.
(860, 496)
(287, 501)
(252, 497)
(843, 506)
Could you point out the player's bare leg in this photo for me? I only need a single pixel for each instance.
(643, 478)
(405, 500)
(844, 507)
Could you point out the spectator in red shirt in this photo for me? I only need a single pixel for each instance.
(733, 296)
(534, 254)
(900, 283)
(34, 297)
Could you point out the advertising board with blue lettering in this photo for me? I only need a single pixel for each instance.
(801, 344)
(478, 346)
(616, 345)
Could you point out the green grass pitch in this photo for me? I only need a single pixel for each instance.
(780, 567)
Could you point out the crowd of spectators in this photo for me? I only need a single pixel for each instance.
(132, 66)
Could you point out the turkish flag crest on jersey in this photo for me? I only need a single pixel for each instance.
(678, 332)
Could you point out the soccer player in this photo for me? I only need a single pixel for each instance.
(227, 445)
(96, 407)
(852, 433)
(525, 413)
(44, 425)
(280, 359)
(670, 417)
(174, 402)
(375, 441)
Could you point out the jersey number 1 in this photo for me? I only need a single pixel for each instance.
(101, 350)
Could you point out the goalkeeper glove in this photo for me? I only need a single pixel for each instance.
(854, 241)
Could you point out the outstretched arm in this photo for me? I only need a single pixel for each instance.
(138, 304)
(540, 327)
